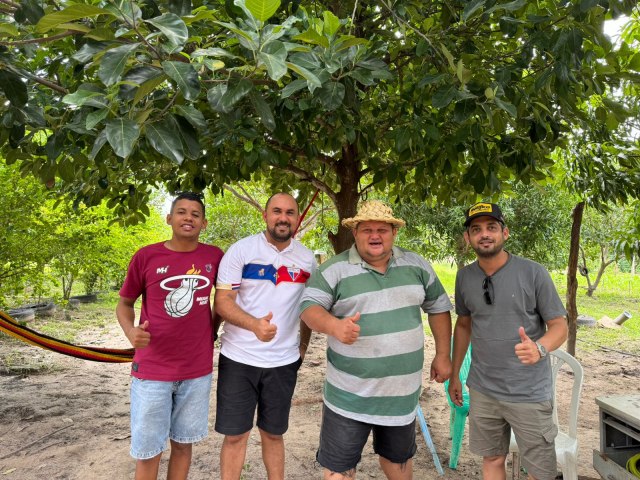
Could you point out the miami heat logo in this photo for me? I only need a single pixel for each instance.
(181, 291)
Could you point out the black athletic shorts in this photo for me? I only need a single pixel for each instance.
(242, 387)
(342, 440)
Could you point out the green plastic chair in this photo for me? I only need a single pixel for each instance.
(458, 415)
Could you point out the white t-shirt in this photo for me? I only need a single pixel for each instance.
(267, 280)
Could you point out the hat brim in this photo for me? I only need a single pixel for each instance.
(354, 221)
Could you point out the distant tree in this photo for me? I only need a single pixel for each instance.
(24, 227)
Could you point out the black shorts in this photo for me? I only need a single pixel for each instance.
(242, 387)
(342, 440)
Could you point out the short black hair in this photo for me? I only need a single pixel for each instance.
(193, 196)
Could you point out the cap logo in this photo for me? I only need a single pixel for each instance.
(480, 208)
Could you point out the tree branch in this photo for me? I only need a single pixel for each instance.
(52, 38)
(247, 198)
(307, 177)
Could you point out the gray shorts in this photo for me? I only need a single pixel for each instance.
(490, 424)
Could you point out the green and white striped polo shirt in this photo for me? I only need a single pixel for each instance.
(378, 378)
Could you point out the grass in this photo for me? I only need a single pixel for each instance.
(616, 293)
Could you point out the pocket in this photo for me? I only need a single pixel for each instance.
(550, 434)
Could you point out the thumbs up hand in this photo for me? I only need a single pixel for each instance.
(347, 330)
(264, 330)
(138, 336)
(526, 350)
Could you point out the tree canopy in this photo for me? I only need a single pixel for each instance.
(431, 100)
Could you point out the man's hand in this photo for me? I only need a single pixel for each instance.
(347, 330)
(264, 330)
(441, 368)
(455, 390)
(527, 350)
(138, 336)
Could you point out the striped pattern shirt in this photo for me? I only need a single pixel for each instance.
(378, 378)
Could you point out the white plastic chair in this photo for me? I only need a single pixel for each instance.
(566, 442)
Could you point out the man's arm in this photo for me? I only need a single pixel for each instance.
(216, 321)
(305, 337)
(461, 338)
(346, 330)
(226, 307)
(137, 336)
(556, 334)
(440, 324)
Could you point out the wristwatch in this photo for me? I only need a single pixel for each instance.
(541, 350)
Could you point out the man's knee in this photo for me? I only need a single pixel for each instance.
(181, 448)
(494, 460)
(270, 436)
(236, 440)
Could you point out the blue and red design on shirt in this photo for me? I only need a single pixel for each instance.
(256, 271)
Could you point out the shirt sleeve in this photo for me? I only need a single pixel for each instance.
(230, 269)
(548, 301)
(317, 292)
(133, 285)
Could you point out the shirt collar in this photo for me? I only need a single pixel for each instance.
(271, 245)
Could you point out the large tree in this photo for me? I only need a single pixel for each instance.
(432, 100)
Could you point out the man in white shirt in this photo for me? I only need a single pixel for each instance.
(260, 282)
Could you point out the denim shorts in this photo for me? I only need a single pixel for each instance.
(162, 410)
(343, 439)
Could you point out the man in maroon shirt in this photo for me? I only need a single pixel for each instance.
(172, 367)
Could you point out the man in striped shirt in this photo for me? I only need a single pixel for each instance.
(368, 301)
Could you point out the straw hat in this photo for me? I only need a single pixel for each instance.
(373, 211)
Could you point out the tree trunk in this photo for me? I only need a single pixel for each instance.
(572, 280)
(347, 198)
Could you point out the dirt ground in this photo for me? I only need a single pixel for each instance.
(73, 422)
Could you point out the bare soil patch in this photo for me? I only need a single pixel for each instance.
(73, 421)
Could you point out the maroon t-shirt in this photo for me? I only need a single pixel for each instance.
(175, 289)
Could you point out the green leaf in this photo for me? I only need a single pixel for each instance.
(275, 64)
(263, 110)
(192, 115)
(292, 88)
(509, 7)
(94, 118)
(214, 97)
(136, 78)
(237, 93)
(122, 135)
(14, 88)
(312, 37)
(332, 95)
(113, 63)
(443, 96)
(101, 139)
(313, 82)
(506, 106)
(262, 9)
(162, 137)
(172, 27)
(472, 7)
(185, 76)
(348, 41)
(69, 14)
(147, 87)
(212, 52)
(8, 29)
(87, 96)
(634, 63)
(331, 23)
(247, 39)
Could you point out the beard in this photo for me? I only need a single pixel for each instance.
(280, 237)
(491, 252)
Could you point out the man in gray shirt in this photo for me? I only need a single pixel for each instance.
(509, 309)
